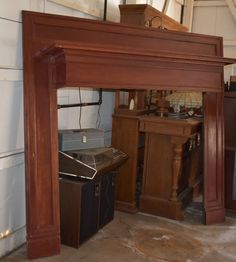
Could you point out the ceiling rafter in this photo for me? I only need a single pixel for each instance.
(166, 6)
(232, 8)
(208, 3)
(188, 14)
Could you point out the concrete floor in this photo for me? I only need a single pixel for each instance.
(143, 238)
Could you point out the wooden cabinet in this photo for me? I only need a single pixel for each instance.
(172, 166)
(107, 198)
(125, 136)
(146, 15)
(85, 206)
(230, 149)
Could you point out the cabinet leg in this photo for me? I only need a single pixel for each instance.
(176, 164)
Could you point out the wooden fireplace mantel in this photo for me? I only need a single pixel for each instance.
(64, 51)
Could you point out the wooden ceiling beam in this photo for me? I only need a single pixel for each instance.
(232, 8)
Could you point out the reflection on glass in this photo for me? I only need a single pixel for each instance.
(234, 178)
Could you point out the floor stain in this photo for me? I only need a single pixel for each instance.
(165, 245)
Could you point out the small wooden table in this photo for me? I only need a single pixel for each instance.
(172, 164)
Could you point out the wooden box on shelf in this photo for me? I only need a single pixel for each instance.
(146, 15)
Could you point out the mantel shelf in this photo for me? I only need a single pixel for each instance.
(61, 47)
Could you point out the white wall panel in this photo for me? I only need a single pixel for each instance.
(12, 242)
(37, 5)
(12, 172)
(107, 109)
(69, 117)
(217, 20)
(82, 15)
(158, 4)
(174, 10)
(229, 70)
(63, 98)
(12, 182)
(11, 115)
(11, 75)
(230, 51)
(10, 44)
(225, 25)
(113, 12)
(214, 21)
(12, 206)
(63, 92)
(11, 9)
(54, 8)
(204, 20)
(11, 160)
(12, 198)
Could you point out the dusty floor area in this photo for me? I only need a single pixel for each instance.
(143, 238)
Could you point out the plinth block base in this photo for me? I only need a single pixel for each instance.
(43, 246)
(213, 216)
(126, 206)
(162, 207)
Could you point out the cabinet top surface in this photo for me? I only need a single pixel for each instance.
(170, 121)
(168, 126)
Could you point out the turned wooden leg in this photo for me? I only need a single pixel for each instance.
(176, 164)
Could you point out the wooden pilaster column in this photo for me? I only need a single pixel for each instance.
(213, 158)
(42, 197)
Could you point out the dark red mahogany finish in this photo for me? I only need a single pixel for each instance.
(65, 51)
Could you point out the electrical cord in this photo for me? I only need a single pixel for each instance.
(98, 121)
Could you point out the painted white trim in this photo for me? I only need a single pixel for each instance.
(11, 160)
(229, 42)
(8, 67)
(13, 152)
(11, 75)
(209, 3)
(11, 20)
